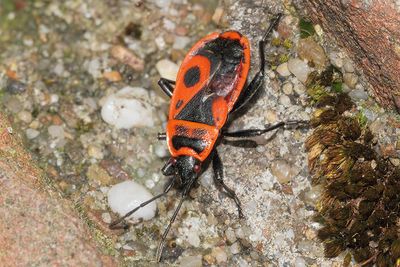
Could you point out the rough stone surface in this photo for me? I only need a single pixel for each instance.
(370, 32)
(38, 228)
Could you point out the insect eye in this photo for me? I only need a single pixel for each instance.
(196, 168)
(173, 161)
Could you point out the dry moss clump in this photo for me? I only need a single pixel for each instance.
(360, 205)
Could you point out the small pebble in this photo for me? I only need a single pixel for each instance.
(191, 261)
(358, 94)
(106, 217)
(235, 248)
(271, 116)
(230, 235)
(299, 88)
(31, 133)
(125, 56)
(219, 254)
(350, 79)
(348, 65)
(167, 69)
(181, 42)
(112, 76)
(218, 13)
(282, 170)
(56, 131)
(287, 88)
(312, 51)
(336, 60)
(13, 104)
(312, 195)
(95, 152)
(15, 86)
(25, 116)
(284, 100)
(283, 70)
(126, 196)
(299, 68)
(129, 107)
(160, 150)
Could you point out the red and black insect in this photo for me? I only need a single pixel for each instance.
(210, 86)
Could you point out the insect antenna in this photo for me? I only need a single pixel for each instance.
(114, 225)
(164, 236)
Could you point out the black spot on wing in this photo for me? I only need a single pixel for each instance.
(197, 145)
(192, 76)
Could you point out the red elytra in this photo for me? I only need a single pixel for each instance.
(202, 69)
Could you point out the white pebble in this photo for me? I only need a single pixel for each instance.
(283, 70)
(31, 133)
(126, 196)
(160, 150)
(299, 68)
(129, 107)
(167, 69)
(284, 100)
(56, 131)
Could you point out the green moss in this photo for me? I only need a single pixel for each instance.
(362, 119)
(287, 43)
(306, 28)
(316, 92)
(276, 41)
(337, 87)
(284, 58)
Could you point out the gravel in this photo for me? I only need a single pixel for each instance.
(82, 87)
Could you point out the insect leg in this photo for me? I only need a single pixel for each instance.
(245, 143)
(162, 136)
(252, 88)
(114, 225)
(219, 180)
(167, 86)
(257, 132)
